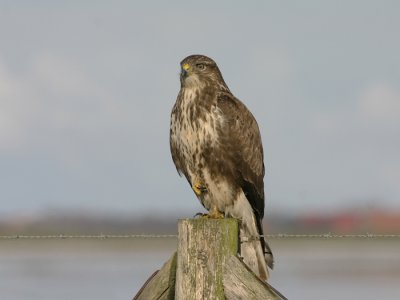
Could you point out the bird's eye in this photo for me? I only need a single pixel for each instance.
(200, 66)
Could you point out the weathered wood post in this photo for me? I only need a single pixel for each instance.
(206, 266)
(203, 248)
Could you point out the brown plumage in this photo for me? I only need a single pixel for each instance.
(215, 142)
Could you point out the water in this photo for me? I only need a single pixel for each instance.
(116, 269)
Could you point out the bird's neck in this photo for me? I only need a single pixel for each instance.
(190, 94)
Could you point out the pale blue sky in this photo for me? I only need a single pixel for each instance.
(86, 91)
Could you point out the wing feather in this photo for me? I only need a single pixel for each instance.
(242, 137)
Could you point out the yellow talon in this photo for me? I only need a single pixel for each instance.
(198, 187)
(215, 214)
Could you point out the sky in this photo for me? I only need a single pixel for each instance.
(87, 87)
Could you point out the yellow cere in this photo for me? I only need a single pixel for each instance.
(185, 67)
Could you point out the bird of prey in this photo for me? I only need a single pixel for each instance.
(215, 142)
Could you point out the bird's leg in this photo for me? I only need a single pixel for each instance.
(198, 187)
(214, 213)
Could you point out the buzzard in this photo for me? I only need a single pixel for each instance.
(215, 142)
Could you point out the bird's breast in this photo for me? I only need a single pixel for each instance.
(194, 128)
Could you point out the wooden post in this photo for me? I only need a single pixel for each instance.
(207, 267)
(241, 283)
(203, 247)
(161, 285)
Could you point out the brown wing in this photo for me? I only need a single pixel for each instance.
(242, 137)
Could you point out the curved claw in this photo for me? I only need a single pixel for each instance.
(199, 215)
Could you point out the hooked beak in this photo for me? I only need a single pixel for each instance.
(184, 71)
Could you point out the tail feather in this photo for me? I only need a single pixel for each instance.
(254, 250)
(253, 256)
(269, 258)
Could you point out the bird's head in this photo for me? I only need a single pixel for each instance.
(198, 71)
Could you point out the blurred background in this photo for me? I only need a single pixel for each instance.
(86, 91)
